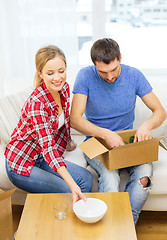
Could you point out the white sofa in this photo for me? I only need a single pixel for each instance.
(9, 114)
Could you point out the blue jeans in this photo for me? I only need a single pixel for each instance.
(109, 181)
(43, 179)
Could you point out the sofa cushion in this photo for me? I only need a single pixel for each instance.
(164, 140)
(10, 107)
(5, 183)
(77, 155)
(159, 178)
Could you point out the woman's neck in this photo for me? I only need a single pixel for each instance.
(58, 101)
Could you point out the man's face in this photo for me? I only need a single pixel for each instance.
(109, 72)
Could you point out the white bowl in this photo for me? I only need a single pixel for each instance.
(90, 211)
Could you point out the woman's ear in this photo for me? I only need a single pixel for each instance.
(40, 74)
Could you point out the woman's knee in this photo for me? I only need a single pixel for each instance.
(88, 180)
(82, 177)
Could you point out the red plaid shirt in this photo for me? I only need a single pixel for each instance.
(37, 131)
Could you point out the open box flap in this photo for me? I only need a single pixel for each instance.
(162, 145)
(156, 139)
(92, 147)
(4, 195)
(125, 134)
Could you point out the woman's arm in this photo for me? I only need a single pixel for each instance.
(75, 189)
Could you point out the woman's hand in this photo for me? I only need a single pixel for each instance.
(77, 194)
(75, 189)
(71, 146)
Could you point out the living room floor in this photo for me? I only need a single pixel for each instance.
(151, 225)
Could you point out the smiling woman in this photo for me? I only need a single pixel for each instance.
(53, 69)
(34, 154)
(53, 73)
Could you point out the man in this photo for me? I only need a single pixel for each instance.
(107, 93)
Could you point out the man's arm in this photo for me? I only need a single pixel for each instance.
(157, 118)
(87, 128)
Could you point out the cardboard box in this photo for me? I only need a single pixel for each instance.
(6, 220)
(123, 156)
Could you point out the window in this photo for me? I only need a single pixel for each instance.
(26, 25)
(138, 26)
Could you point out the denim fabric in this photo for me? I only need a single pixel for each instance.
(43, 179)
(109, 181)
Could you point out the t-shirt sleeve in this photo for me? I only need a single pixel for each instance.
(81, 83)
(143, 87)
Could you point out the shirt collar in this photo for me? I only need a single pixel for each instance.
(49, 96)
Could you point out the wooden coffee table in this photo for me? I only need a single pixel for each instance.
(38, 221)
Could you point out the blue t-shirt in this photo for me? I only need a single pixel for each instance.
(111, 105)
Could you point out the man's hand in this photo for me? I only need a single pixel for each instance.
(71, 146)
(142, 133)
(113, 139)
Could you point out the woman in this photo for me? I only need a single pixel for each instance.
(34, 160)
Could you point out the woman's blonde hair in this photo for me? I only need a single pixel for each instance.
(42, 57)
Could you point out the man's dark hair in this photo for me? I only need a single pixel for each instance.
(105, 50)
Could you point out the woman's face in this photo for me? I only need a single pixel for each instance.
(54, 74)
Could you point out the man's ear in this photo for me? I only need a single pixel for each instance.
(120, 58)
